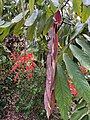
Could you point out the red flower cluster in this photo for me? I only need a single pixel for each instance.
(22, 63)
(72, 87)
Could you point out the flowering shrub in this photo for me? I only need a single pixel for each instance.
(22, 64)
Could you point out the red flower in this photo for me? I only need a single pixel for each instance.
(27, 67)
(31, 68)
(31, 75)
(16, 76)
(74, 92)
(72, 88)
(33, 64)
(30, 56)
(15, 67)
(12, 56)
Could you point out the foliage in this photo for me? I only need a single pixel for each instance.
(7, 87)
(34, 20)
(31, 92)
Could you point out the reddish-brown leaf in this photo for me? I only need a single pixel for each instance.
(49, 96)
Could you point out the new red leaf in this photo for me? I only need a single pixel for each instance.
(49, 96)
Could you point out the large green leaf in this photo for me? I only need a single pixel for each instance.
(48, 25)
(77, 78)
(62, 92)
(30, 20)
(77, 6)
(31, 5)
(82, 57)
(79, 113)
(84, 45)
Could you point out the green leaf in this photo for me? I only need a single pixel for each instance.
(77, 6)
(85, 13)
(53, 8)
(78, 114)
(77, 78)
(78, 29)
(30, 33)
(62, 92)
(31, 5)
(48, 25)
(41, 24)
(82, 57)
(61, 1)
(18, 27)
(86, 117)
(1, 7)
(18, 17)
(30, 20)
(84, 45)
(49, 12)
(5, 33)
(39, 2)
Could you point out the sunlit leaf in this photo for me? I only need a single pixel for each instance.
(30, 20)
(77, 78)
(78, 29)
(19, 17)
(62, 92)
(77, 6)
(84, 15)
(87, 37)
(7, 24)
(31, 5)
